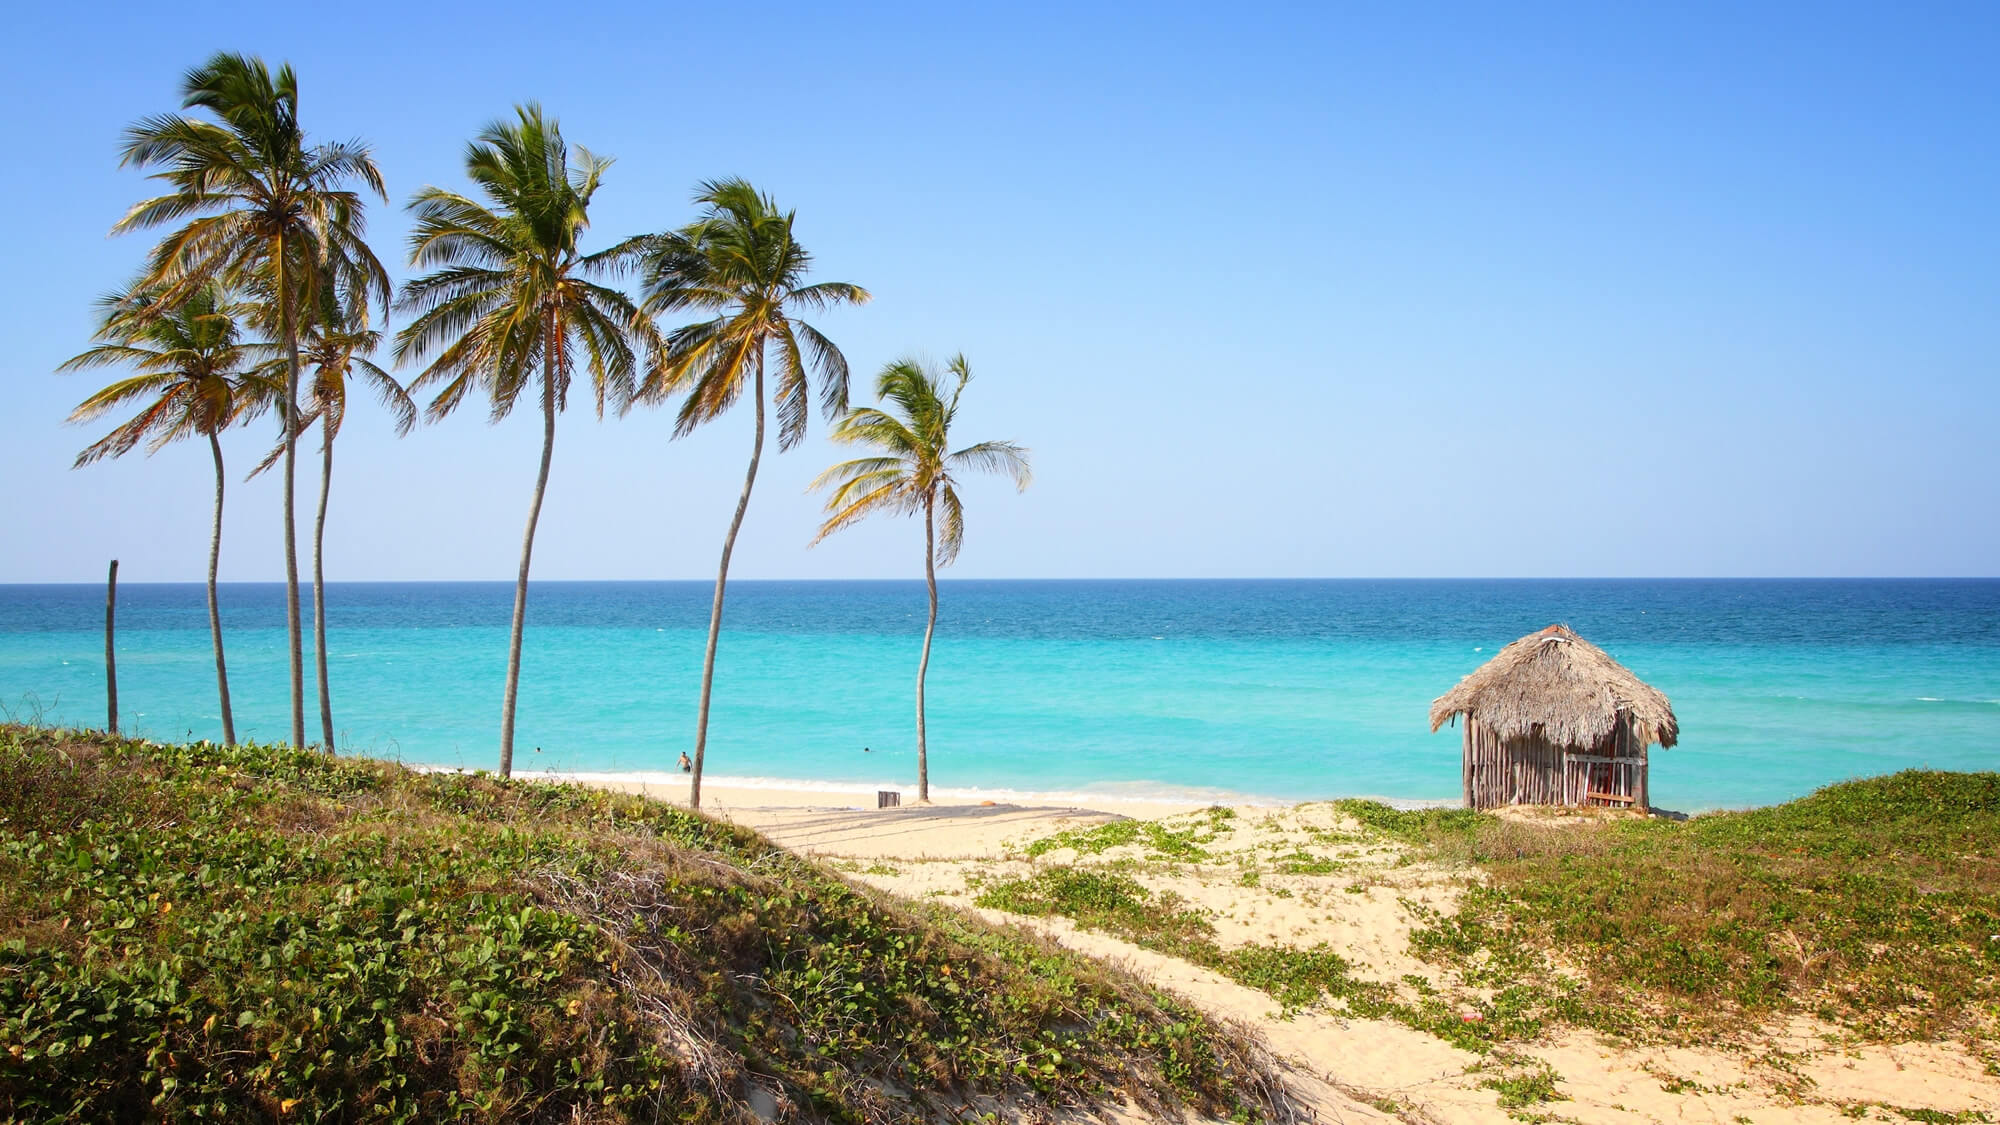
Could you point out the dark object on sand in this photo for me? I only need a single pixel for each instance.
(888, 799)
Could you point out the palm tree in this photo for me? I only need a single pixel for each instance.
(263, 208)
(739, 262)
(510, 300)
(913, 473)
(336, 346)
(194, 378)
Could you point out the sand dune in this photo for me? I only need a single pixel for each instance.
(1360, 900)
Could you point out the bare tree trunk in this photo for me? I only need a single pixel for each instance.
(924, 664)
(319, 583)
(214, 609)
(527, 551)
(110, 659)
(721, 583)
(290, 414)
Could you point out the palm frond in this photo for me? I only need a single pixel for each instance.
(1003, 458)
(451, 230)
(392, 395)
(449, 320)
(882, 498)
(790, 402)
(158, 385)
(277, 452)
(825, 358)
(907, 499)
(423, 294)
(848, 470)
(105, 355)
(950, 526)
(716, 379)
(869, 426)
(163, 209)
(825, 295)
(125, 438)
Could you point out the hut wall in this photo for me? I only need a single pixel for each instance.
(1523, 771)
(1611, 773)
(1531, 771)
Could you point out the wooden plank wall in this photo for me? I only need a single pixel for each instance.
(1530, 771)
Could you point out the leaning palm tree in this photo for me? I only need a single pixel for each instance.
(261, 208)
(740, 263)
(195, 377)
(912, 473)
(336, 346)
(509, 304)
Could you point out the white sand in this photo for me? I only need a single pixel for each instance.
(1344, 1068)
(834, 822)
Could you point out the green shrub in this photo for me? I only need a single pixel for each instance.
(1874, 903)
(205, 932)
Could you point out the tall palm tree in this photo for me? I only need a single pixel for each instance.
(336, 346)
(740, 263)
(510, 302)
(195, 377)
(260, 207)
(911, 473)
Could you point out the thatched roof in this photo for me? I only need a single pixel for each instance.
(1561, 683)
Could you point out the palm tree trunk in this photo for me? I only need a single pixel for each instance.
(294, 648)
(527, 551)
(214, 611)
(924, 663)
(721, 583)
(110, 653)
(319, 583)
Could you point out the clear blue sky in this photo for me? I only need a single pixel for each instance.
(1368, 290)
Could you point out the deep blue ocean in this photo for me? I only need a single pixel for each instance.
(1284, 690)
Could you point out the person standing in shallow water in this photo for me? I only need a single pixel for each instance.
(687, 766)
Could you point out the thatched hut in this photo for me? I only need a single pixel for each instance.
(1553, 720)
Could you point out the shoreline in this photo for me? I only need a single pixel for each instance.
(1139, 800)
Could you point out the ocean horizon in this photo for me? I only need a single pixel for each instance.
(1252, 690)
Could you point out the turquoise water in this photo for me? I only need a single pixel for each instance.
(1284, 690)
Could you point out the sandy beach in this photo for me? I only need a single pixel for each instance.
(1302, 876)
(835, 822)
